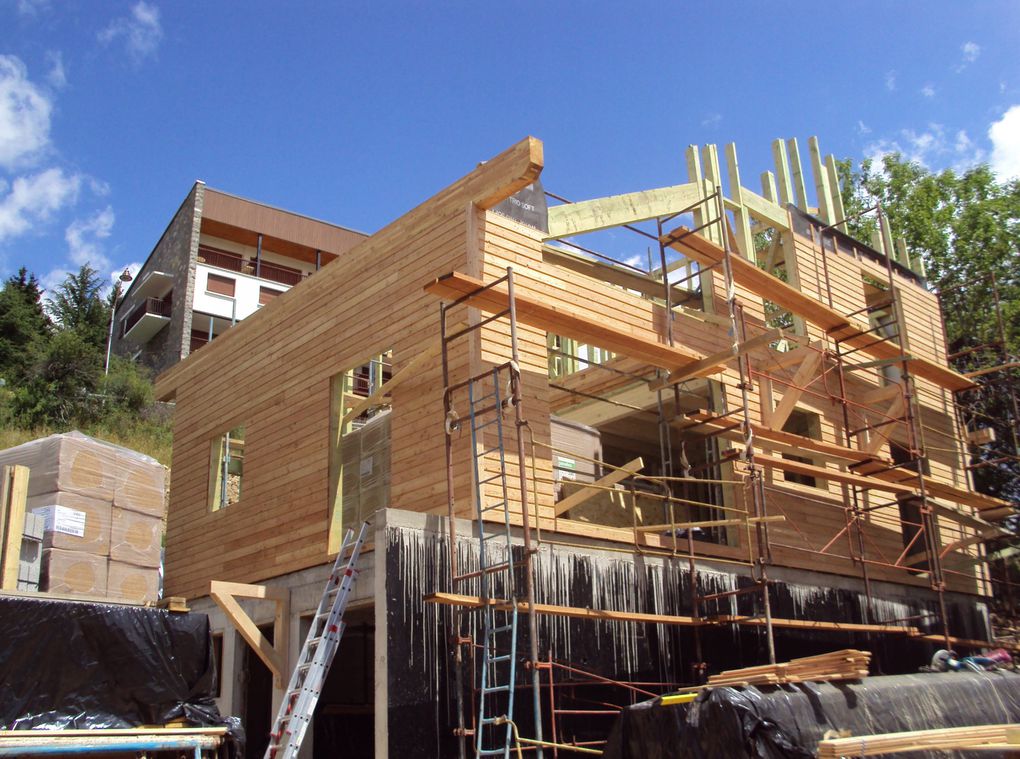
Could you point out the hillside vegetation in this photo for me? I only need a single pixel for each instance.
(53, 373)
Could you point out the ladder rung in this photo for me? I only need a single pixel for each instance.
(502, 629)
(500, 659)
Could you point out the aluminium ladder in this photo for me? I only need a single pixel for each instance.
(317, 653)
(499, 649)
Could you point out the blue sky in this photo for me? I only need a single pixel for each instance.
(354, 113)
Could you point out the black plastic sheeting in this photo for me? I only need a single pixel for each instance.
(74, 665)
(787, 721)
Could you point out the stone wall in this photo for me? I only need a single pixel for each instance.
(174, 254)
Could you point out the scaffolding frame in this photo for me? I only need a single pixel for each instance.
(754, 519)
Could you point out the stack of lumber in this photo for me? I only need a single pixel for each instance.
(989, 737)
(848, 664)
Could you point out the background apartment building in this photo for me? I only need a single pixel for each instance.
(220, 259)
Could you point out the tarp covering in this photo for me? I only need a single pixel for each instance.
(787, 721)
(74, 665)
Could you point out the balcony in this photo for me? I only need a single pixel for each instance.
(223, 259)
(146, 320)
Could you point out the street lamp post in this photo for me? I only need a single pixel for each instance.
(125, 276)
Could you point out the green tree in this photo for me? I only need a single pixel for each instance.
(967, 229)
(24, 327)
(62, 388)
(77, 305)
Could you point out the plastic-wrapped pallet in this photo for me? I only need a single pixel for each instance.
(104, 507)
(73, 522)
(73, 572)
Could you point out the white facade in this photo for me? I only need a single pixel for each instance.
(245, 301)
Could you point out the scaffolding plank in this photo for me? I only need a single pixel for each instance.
(852, 333)
(813, 624)
(475, 602)
(636, 343)
(823, 473)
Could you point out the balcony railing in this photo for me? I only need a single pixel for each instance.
(154, 306)
(285, 275)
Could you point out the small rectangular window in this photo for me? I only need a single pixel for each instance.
(220, 285)
(226, 469)
(359, 461)
(267, 294)
(805, 424)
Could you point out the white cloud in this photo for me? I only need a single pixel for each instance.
(34, 199)
(1005, 137)
(711, 120)
(928, 91)
(971, 51)
(84, 239)
(57, 76)
(930, 147)
(32, 7)
(890, 80)
(24, 115)
(141, 31)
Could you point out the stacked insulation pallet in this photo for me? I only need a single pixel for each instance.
(103, 507)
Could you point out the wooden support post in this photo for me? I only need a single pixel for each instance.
(274, 655)
(575, 499)
(838, 210)
(13, 493)
(798, 174)
(782, 172)
(875, 439)
(821, 182)
(768, 187)
(745, 240)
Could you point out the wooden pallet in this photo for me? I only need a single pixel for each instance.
(847, 664)
(174, 603)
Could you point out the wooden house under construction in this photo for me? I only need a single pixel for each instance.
(590, 478)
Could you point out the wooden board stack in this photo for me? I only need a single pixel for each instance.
(848, 664)
(991, 737)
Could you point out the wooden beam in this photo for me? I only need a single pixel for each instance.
(637, 343)
(879, 394)
(591, 489)
(410, 370)
(876, 439)
(769, 286)
(614, 275)
(768, 187)
(792, 358)
(834, 475)
(489, 183)
(804, 375)
(13, 494)
(717, 361)
(602, 213)
(273, 655)
(599, 615)
(710, 523)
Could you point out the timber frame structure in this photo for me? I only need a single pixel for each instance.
(772, 398)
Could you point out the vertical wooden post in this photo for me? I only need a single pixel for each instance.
(12, 523)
